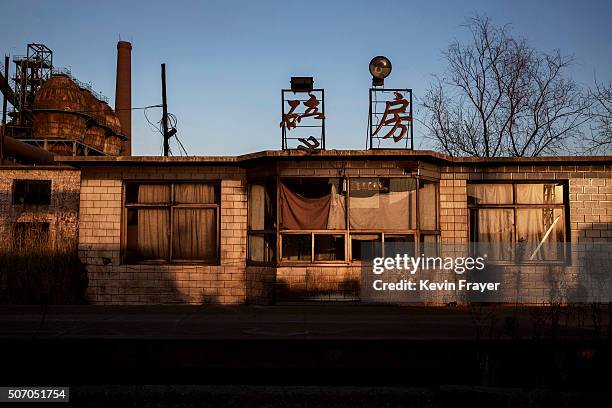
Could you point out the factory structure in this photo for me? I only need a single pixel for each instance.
(277, 225)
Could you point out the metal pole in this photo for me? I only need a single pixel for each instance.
(165, 111)
(4, 101)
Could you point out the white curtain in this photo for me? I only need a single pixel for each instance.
(394, 209)
(490, 193)
(496, 232)
(539, 194)
(532, 228)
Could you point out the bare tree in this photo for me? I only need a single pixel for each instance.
(501, 97)
(601, 124)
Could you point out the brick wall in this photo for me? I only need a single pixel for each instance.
(61, 214)
(590, 196)
(590, 216)
(113, 282)
(336, 282)
(98, 218)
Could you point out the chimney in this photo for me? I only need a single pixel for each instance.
(123, 94)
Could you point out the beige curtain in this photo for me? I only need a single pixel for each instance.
(337, 210)
(496, 232)
(490, 193)
(153, 223)
(428, 206)
(539, 194)
(154, 194)
(257, 202)
(194, 233)
(186, 193)
(391, 210)
(532, 225)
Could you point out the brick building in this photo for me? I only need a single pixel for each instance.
(284, 225)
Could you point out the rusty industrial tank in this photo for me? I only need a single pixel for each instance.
(57, 107)
(95, 133)
(113, 140)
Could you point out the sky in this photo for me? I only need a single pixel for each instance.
(227, 61)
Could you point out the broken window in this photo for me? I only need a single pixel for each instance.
(32, 192)
(521, 221)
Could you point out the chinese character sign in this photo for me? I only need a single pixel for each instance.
(303, 120)
(390, 122)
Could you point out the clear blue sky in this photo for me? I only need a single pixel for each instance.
(228, 60)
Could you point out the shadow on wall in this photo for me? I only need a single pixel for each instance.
(35, 271)
(153, 284)
(343, 290)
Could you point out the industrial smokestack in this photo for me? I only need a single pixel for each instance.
(123, 94)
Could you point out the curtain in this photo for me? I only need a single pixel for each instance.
(194, 233)
(427, 206)
(257, 202)
(337, 210)
(532, 226)
(153, 223)
(185, 193)
(490, 193)
(539, 194)
(388, 210)
(496, 232)
(154, 194)
(299, 212)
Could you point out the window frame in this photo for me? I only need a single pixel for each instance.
(171, 206)
(264, 232)
(28, 183)
(347, 231)
(564, 206)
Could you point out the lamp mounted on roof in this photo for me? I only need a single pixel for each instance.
(390, 118)
(303, 116)
(380, 68)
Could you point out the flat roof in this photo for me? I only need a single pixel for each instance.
(274, 155)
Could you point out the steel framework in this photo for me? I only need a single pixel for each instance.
(301, 137)
(376, 118)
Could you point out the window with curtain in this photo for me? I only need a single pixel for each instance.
(172, 222)
(311, 209)
(519, 221)
(261, 222)
(382, 203)
(384, 215)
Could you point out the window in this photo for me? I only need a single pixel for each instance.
(261, 222)
(29, 235)
(387, 207)
(32, 192)
(382, 203)
(352, 219)
(522, 221)
(172, 222)
(311, 209)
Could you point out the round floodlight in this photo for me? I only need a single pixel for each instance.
(380, 67)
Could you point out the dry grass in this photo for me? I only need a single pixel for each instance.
(36, 270)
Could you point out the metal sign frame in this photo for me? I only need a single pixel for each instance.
(306, 141)
(374, 113)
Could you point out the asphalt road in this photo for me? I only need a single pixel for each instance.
(298, 321)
